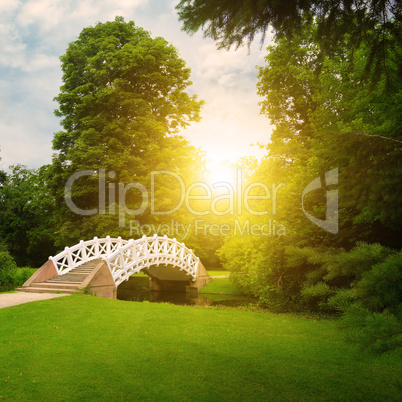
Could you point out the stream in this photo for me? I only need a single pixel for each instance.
(136, 289)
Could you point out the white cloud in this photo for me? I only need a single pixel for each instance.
(126, 5)
(12, 49)
(45, 14)
(16, 146)
(8, 7)
(41, 62)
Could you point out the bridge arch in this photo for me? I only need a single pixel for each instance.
(126, 257)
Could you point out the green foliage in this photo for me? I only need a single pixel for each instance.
(364, 273)
(7, 262)
(86, 290)
(375, 333)
(12, 279)
(233, 22)
(3, 177)
(123, 92)
(10, 275)
(372, 308)
(315, 278)
(230, 22)
(258, 268)
(327, 114)
(340, 24)
(381, 287)
(27, 223)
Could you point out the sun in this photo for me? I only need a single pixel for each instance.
(219, 171)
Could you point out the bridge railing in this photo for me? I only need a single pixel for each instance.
(85, 251)
(147, 251)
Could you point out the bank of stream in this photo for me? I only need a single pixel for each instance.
(136, 289)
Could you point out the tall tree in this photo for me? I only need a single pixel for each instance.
(123, 103)
(328, 113)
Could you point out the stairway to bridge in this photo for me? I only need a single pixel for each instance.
(68, 283)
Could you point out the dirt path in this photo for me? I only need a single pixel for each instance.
(13, 299)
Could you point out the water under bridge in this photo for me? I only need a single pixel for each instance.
(99, 266)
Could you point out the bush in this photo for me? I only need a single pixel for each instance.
(372, 317)
(7, 269)
(258, 268)
(6, 262)
(375, 333)
(11, 276)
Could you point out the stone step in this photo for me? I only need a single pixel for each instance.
(85, 268)
(82, 271)
(47, 285)
(68, 278)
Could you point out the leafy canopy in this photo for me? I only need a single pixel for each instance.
(122, 104)
(234, 22)
(341, 24)
(27, 215)
(123, 93)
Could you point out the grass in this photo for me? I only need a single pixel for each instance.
(140, 275)
(220, 285)
(86, 348)
(212, 273)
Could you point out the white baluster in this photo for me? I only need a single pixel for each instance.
(69, 259)
(83, 251)
(96, 247)
(108, 247)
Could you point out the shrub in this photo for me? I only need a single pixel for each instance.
(6, 262)
(372, 317)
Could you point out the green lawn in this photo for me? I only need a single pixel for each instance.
(140, 275)
(220, 285)
(86, 348)
(212, 273)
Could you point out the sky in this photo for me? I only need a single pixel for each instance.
(35, 33)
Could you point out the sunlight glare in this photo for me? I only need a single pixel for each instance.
(220, 171)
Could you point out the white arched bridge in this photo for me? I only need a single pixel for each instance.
(101, 265)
